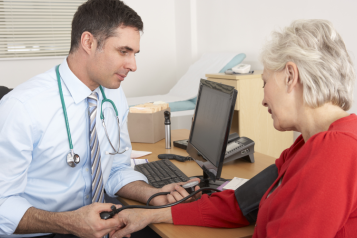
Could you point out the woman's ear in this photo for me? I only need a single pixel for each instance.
(293, 76)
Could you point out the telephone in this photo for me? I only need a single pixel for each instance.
(242, 147)
(241, 69)
(237, 148)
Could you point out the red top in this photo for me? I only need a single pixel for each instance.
(317, 196)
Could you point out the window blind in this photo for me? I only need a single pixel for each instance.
(37, 28)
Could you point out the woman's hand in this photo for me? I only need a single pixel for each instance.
(132, 220)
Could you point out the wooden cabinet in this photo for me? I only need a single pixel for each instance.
(251, 119)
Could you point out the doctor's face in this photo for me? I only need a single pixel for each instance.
(109, 65)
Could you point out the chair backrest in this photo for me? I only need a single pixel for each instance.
(4, 90)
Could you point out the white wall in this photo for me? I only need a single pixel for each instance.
(244, 25)
(156, 73)
(156, 61)
(186, 34)
(177, 32)
(14, 72)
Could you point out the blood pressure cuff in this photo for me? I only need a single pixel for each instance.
(249, 194)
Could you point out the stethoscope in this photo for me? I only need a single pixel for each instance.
(72, 158)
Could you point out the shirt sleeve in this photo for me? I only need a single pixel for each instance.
(121, 172)
(218, 210)
(319, 194)
(16, 145)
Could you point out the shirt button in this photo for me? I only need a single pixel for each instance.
(87, 169)
(87, 196)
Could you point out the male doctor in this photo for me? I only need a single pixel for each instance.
(43, 190)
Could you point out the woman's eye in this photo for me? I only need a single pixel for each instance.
(123, 52)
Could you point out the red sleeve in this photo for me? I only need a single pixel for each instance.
(218, 210)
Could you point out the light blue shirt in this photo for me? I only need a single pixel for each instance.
(34, 146)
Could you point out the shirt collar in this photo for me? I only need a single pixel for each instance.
(78, 90)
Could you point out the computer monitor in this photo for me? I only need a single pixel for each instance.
(210, 128)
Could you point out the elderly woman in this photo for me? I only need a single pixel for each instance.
(308, 86)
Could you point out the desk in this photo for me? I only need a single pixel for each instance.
(251, 119)
(190, 168)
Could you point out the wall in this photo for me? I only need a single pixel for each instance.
(177, 32)
(156, 73)
(186, 34)
(156, 61)
(15, 72)
(227, 25)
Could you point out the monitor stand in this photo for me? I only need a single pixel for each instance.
(207, 182)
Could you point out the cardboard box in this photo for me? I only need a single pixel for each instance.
(147, 127)
(149, 107)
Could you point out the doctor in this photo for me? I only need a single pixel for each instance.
(55, 156)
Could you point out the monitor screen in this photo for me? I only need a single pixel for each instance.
(211, 125)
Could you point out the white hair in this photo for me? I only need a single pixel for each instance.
(325, 69)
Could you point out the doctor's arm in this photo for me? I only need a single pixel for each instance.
(123, 181)
(141, 191)
(84, 222)
(17, 215)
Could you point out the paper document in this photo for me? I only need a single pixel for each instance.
(138, 161)
(235, 183)
(136, 154)
(221, 186)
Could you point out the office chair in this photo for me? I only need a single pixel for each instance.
(4, 90)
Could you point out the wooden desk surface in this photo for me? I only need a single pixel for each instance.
(232, 169)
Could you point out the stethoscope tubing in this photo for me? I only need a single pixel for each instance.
(101, 117)
(64, 109)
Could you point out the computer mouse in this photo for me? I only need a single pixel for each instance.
(190, 187)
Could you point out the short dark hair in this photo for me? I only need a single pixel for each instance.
(102, 18)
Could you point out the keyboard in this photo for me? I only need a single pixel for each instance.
(161, 172)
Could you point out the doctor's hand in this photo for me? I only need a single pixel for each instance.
(86, 221)
(177, 193)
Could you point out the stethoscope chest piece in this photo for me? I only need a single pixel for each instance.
(72, 159)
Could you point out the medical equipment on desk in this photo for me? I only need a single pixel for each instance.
(72, 158)
(167, 130)
(189, 187)
(241, 69)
